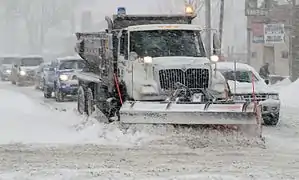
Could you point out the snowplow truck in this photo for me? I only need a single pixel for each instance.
(154, 70)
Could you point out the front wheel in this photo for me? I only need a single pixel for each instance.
(89, 102)
(271, 119)
(81, 103)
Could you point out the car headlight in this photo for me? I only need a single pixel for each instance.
(274, 96)
(214, 58)
(63, 77)
(147, 59)
(22, 73)
(8, 71)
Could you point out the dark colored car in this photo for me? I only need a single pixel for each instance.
(63, 80)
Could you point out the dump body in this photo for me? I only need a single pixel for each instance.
(121, 22)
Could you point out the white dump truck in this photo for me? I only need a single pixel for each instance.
(155, 70)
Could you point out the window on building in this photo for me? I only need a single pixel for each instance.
(285, 54)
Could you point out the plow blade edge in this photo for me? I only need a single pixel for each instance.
(172, 113)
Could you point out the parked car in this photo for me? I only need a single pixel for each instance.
(5, 67)
(63, 80)
(23, 69)
(242, 79)
(40, 75)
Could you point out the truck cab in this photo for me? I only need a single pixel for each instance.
(142, 58)
(153, 58)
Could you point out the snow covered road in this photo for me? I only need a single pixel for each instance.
(38, 141)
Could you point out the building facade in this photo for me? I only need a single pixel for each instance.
(276, 54)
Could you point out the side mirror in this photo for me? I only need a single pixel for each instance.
(267, 81)
(133, 56)
(216, 44)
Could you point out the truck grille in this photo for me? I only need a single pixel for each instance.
(192, 78)
(258, 97)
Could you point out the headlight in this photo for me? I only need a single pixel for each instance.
(22, 73)
(8, 71)
(63, 77)
(189, 9)
(275, 97)
(214, 58)
(148, 59)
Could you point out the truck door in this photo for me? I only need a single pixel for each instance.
(124, 65)
(122, 53)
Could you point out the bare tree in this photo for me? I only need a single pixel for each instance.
(38, 16)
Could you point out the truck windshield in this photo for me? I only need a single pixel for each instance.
(71, 64)
(241, 76)
(32, 61)
(158, 43)
(7, 60)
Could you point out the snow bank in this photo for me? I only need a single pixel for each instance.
(24, 120)
(289, 94)
(281, 84)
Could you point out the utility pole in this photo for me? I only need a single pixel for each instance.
(208, 26)
(291, 43)
(221, 22)
(72, 18)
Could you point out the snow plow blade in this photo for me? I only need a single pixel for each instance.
(189, 114)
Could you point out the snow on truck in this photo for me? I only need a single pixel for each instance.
(154, 70)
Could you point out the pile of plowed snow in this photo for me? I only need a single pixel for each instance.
(23, 120)
(281, 84)
(289, 94)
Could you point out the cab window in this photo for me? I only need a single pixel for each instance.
(124, 44)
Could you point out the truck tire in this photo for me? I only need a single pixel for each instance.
(89, 102)
(81, 102)
(271, 120)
